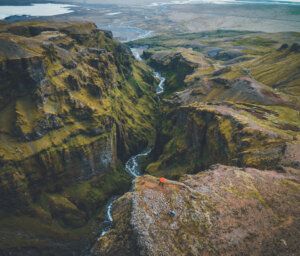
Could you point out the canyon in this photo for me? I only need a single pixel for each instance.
(220, 121)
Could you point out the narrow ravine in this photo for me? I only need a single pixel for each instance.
(162, 80)
(132, 165)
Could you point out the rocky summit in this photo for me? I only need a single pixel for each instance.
(222, 211)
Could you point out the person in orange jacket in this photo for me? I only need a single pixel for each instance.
(161, 181)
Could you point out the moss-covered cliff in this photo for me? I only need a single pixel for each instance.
(74, 105)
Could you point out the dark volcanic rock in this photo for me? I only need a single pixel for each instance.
(221, 71)
(220, 80)
(283, 47)
(228, 55)
(295, 48)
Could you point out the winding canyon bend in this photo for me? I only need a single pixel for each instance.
(220, 121)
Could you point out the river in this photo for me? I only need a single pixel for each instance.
(124, 32)
(132, 165)
(137, 54)
(133, 168)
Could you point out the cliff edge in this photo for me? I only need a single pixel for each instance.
(221, 211)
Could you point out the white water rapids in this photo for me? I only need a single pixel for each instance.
(160, 88)
(132, 165)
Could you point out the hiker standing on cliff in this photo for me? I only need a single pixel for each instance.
(161, 181)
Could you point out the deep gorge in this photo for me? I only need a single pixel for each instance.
(76, 105)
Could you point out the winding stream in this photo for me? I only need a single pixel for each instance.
(160, 88)
(108, 217)
(132, 165)
(162, 80)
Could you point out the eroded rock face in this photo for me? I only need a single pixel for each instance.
(228, 55)
(20, 75)
(67, 94)
(196, 136)
(222, 211)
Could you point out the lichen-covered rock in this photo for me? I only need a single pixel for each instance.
(222, 211)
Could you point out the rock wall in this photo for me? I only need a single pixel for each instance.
(192, 138)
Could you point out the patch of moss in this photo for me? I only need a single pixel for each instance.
(255, 41)
(294, 186)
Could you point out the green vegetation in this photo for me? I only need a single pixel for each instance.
(254, 41)
(167, 40)
(234, 104)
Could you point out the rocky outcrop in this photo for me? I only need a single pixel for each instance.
(120, 240)
(295, 48)
(222, 211)
(20, 76)
(175, 66)
(228, 55)
(196, 136)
